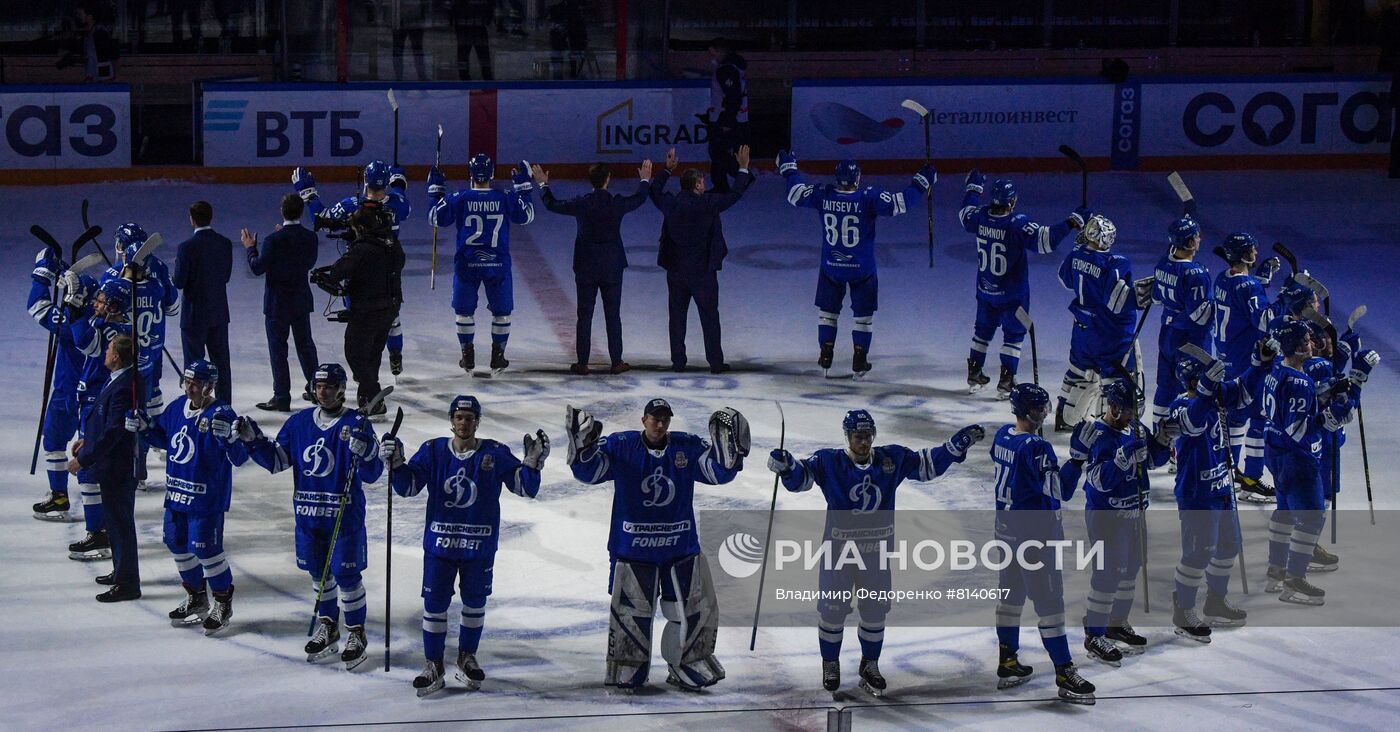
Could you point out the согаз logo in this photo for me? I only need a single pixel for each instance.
(843, 125)
(741, 555)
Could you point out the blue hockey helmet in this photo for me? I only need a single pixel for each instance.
(858, 420)
(128, 236)
(464, 402)
(118, 293)
(332, 372)
(1182, 231)
(1003, 193)
(1294, 296)
(1119, 393)
(201, 371)
(848, 174)
(1291, 335)
(481, 168)
(1238, 246)
(1188, 370)
(377, 174)
(1027, 399)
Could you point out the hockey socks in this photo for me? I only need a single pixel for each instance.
(500, 330)
(469, 635)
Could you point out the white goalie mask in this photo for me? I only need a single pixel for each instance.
(1099, 233)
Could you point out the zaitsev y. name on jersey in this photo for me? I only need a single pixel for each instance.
(316, 446)
(653, 510)
(848, 222)
(464, 494)
(198, 465)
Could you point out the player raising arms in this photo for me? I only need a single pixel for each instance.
(1182, 286)
(61, 411)
(1003, 238)
(848, 214)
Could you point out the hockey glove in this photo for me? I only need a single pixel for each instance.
(781, 462)
(391, 452)
(304, 183)
(398, 179)
(247, 429)
(1142, 290)
(520, 177)
(583, 431)
(729, 434)
(536, 450)
(1129, 455)
(73, 291)
(786, 162)
(44, 268)
(963, 439)
(975, 181)
(223, 425)
(362, 445)
(1352, 339)
(1170, 427)
(437, 184)
(1267, 270)
(1267, 350)
(1079, 216)
(925, 178)
(1361, 366)
(137, 420)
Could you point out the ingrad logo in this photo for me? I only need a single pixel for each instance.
(617, 131)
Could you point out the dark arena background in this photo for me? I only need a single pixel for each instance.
(1277, 119)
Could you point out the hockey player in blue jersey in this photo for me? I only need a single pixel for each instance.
(1182, 286)
(1210, 534)
(653, 543)
(333, 452)
(202, 447)
(93, 323)
(483, 216)
(464, 476)
(1028, 497)
(1104, 308)
(1242, 318)
(1003, 239)
(1116, 452)
(61, 411)
(1298, 412)
(848, 214)
(859, 485)
(157, 301)
(384, 184)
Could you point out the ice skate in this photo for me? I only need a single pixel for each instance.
(396, 362)
(468, 360)
(498, 359)
(431, 680)
(324, 641)
(192, 610)
(54, 508)
(1254, 491)
(1004, 383)
(1101, 649)
(354, 653)
(469, 671)
(220, 614)
(1188, 624)
(1222, 614)
(828, 355)
(1128, 640)
(1274, 580)
(976, 380)
(1300, 591)
(871, 680)
(93, 547)
(831, 675)
(1073, 688)
(1322, 560)
(860, 365)
(1010, 672)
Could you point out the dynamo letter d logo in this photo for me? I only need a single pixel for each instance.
(741, 555)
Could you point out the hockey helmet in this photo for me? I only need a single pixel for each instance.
(118, 294)
(1291, 335)
(332, 372)
(848, 174)
(201, 371)
(1027, 399)
(1294, 296)
(1240, 247)
(481, 168)
(377, 174)
(1003, 193)
(1182, 231)
(128, 236)
(464, 402)
(858, 420)
(1188, 370)
(1119, 393)
(1098, 231)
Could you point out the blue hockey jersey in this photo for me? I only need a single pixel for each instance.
(68, 358)
(1027, 472)
(1202, 465)
(464, 494)
(1296, 417)
(1002, 243)
(92, 336)
(198, 465)
(870, 487)
(316, 446)
(1183, 288)
(1111, 481)
(483, 218)
(653, 510)
(1241, 319)
(1104, 302)
(157, 301)
(396, 202)
(848, 222)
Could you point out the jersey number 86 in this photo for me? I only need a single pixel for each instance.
(843, 230)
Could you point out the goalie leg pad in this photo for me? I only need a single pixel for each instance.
(692, 623)
(634, 588)
(729, 433)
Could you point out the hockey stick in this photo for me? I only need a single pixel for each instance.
(1283, 251)
(922, 111)
(135, 267)
(1078, 159)
(363, 413)
(1188, 202)
(1311, 315)
(1139, 482)
(432, 271)
(1323, 296)
(1194, 351)
(1026, 322)
(772, 508)
(1361, 423)
(51, 244)
(389, 541)
(394, 104)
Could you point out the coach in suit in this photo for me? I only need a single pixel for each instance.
(108, 450)
(598, 255)
(287, 255)
(203, 265)
(693, 250)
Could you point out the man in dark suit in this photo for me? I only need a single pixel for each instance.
(203, 265)
(287, 255)
(108, 450)
(599, 257)
(693, 250)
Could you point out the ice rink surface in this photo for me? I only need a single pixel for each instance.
(77, 664)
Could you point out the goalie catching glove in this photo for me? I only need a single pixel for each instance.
(583, 431)
(729, 434)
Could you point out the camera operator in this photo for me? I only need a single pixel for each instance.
(368, 276)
